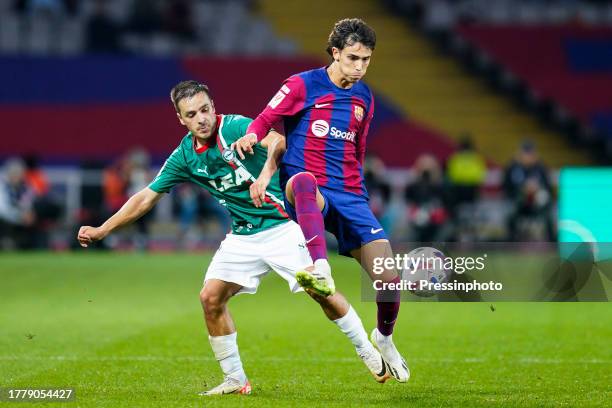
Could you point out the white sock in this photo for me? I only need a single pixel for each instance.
(322, 265)
(226, 353)
(350, 324)
(381, 338)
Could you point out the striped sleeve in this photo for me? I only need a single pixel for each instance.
(288, 101)
(363, 134)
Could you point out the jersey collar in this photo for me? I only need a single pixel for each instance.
(211, 141)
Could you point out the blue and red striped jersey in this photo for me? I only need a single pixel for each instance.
(326, 128)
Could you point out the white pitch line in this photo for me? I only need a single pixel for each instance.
(522, 360)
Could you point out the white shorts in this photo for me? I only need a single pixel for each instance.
(245, 259)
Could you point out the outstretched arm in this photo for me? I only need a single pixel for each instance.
(275, 143)
(137, 206)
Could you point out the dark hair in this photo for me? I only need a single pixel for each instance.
(349, 31)
(187, 89)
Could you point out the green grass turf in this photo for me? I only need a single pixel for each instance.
(127, 330)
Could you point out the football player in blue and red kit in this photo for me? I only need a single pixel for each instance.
(326, 114)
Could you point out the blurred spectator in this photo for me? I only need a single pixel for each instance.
(176, 19)
(35, 177)
(138, 170)
(186, 207)
(121, 180)
(427, 208)
(193, 205)
(114, 188)
(102, 32)
(466, 171)
(46, 209)
(527, 186)
(16, 207)
(138, 177)
(92, 209)
(114, 184)
(376, 184)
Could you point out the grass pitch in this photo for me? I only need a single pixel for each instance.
(127, 331)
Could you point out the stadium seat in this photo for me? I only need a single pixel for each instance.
(568, 64)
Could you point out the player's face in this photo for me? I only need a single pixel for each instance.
(353, 61)
(198, 115)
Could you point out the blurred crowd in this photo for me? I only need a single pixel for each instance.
(27, 209)
(145, 17)
(453, 200)
(433, 202)
(443, 14)
(103, 29)
(158, 27)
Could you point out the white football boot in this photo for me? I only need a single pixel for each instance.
(375, 363)
(396, 365)
(229, 385)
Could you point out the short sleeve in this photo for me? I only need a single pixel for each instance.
(172, 173)
(240, 124)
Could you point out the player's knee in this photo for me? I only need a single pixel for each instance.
(304, 182)
(213, 303)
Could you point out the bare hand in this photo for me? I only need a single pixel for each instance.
(258, 189)
(245, 144)
(88, 235)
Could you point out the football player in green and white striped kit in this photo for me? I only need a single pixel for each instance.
(262, 239)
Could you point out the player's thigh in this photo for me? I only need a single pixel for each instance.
(238, 261)
(291, 196)
(356, 224)
(369, 252)
(286, 253)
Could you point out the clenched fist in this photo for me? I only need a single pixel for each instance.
(88, 235)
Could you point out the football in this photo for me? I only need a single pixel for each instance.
(425, 265)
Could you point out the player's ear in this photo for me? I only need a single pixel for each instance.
(336, 54)
(180, 118)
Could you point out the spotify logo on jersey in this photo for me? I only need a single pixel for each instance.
(320, 128)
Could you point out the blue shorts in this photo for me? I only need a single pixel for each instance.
(349, 217)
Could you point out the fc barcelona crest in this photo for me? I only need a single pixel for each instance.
(358, 113)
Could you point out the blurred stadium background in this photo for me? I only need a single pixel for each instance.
(484, 110)
(480, 104)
